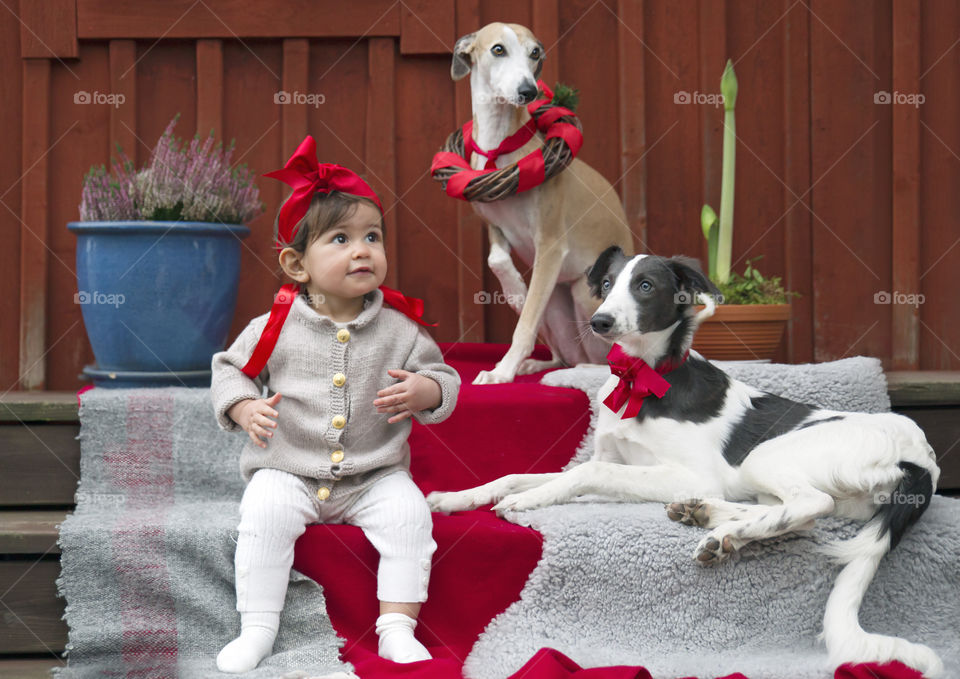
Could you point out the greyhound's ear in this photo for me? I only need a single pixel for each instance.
(610, 261)
(462, 61)
(690, 277)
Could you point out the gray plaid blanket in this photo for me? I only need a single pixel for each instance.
(147, 557)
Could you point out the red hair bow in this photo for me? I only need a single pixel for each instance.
(306, 176)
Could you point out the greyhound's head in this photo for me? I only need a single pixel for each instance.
(648, 302)
(505, 61)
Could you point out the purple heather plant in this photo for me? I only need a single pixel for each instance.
(180, 182)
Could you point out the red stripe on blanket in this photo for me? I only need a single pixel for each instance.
(142, 470)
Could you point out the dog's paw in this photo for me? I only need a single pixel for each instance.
(519, 502)
(713, 550)
(689, 513)
(529, 366)
(492, 377)
(451, 502)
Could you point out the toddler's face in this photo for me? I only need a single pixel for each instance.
(348, 260)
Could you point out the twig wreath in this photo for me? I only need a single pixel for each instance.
(563, 139)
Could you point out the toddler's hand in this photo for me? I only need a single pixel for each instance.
(411, 395)
(253, 415)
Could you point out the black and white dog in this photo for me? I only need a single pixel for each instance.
(758, 465)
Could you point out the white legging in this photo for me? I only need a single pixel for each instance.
(276, 509)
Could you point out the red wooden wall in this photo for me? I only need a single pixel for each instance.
(845, 198)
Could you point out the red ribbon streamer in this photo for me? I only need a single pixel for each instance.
(411, 307)
(637, 381)
(306, 177)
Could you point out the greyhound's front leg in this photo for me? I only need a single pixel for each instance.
(499, 261)
(486, 494)
(546, 270)
(618, 482)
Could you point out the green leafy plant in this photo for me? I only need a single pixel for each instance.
(751, 287)
(566, 96)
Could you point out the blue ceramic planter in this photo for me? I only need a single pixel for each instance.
(157, 298)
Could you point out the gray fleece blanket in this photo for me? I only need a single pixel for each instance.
(617, 584)
(147, 557)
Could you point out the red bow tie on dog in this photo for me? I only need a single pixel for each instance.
(637, 381)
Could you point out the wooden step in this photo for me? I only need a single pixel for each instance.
(30, 668)
(31, 620)
(30, 531)
(38, 406)
(924, 387)
(41, 463)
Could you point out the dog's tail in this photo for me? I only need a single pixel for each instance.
(846, 640)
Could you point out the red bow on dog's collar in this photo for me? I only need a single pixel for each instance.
(637, 381)
(306, 176)
(283, 302)
(508, 145)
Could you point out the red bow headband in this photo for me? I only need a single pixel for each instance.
(306, 176)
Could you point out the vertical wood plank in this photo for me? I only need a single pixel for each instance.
(48, 29)
(209, 87)
(546, 26)
(712, 28)
(380, 141)
(471, 230)
(426, 27)
(33, 248)
(633, 127)
(123, 80)
(11, 110)
(850, 162)
(293, 119)
(906, 184)
(798, 241)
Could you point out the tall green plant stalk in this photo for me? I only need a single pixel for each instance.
(728, 87)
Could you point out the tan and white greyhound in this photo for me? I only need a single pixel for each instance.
(559, 228)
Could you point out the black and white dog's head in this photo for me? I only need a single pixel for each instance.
(648, 302)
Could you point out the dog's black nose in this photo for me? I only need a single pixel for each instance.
(527, 92)
(601, 323)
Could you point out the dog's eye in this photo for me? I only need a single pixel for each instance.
(535, 54)
(646, 286)
(605, 285)
(498, 50)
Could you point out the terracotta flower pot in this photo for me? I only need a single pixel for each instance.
(742, 332)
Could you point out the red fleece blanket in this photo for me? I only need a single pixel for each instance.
(482, 562)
